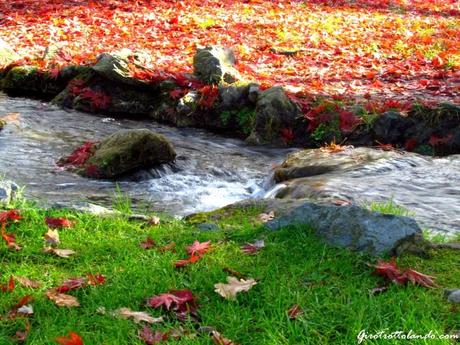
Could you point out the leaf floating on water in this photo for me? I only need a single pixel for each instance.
(234, 286)
(63, 253)
(137, 316)
(266, 217)
(61, 299)
(52, 238)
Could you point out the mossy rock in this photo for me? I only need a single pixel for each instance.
(215, 65)
(127, 151)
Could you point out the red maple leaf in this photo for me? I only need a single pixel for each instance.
(59, 223)
(81, 154)
(10, 239)
(174, 299)
(390, 271)
(198, 248)
(10, 215)
(95, 279)
(72, 339)
(348, 121)
(9, 287)
(419, 278)
(184, 262)
(71, 284)
(150, 337)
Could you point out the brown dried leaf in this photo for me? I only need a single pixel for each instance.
(28, 283)
(63, 253)
(295, 311)
(62, 300)
(52, 237)
(218, 339)
(266, 217)
(154, 220)
(137, 316)
(234, 286)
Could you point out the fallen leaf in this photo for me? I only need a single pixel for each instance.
(198, 248)
(72, 339)
(168, 247)
(52, 238)
(9, 287)
(185, 262)
(419, 278)
(10, 239)
(22, 302)
(148, 243)
(9, 215)
(149, 337)
(391, 271)
(63, 253)
(253, 248)
(266, 217)
(28, 282)
(174, 299)
(378, 290)
(59, 223)
(233, 272)
(25, 310)
(295, 311)
(154, 220)
(95, 279)
(62, 300)
(21, 336)
(71, 284)
(137, 316)
(218, 339)
(233, 287)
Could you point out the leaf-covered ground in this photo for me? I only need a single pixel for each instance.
(328, 288)
(397, 49)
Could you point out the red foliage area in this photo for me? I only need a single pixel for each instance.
(177, 300)
(391, 271)
(9, 215)
(81, 154)
(72, 339)
(55, 223)
(366, 49)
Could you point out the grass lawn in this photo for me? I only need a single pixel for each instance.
(331, 285)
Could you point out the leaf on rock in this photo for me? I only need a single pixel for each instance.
(62, 300)
(198, 248)
(295, 311)
(266, 217)
(63, 253)
(72, 339)
(137, 316)
(52, 238)
(234, 286)
(218, 339)
(150, 337)
(148, 243)
(59, 223)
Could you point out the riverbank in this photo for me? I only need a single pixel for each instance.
(331, 286)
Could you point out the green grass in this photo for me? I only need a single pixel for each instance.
(388, 207)
(331, 285)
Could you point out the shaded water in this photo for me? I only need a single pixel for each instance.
(210, 171)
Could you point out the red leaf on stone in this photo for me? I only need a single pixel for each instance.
(55, 223)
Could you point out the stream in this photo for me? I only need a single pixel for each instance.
(210, 171)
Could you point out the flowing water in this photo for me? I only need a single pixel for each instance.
(210, 171)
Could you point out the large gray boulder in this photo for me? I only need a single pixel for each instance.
(115, 67)
(354, 228)
(8, 192)
(7, 54)
(274, 112)
(391, 127)
(215, 64)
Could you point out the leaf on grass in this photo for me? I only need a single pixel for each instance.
(154, 220)
(22, 302)
(233, 287)
(95, 279)
(253, 248)
(52, 238)
(62, 300)
(8, 287)
(150, 337)
(168, 247)
(148, 243)
(10, 239)
(59, 223)
(21, 335)
(174, 299)
(25, 310)
(295, 311)
(378, 290)
(218, 339)
(9, 215)
(266, 217)
(185, 262)
(71, 284)
(137, 316)
(198, 248)
(63, 253)
(72, 339)
(419, 278)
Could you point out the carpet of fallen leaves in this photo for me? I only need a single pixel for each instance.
(399, 49)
